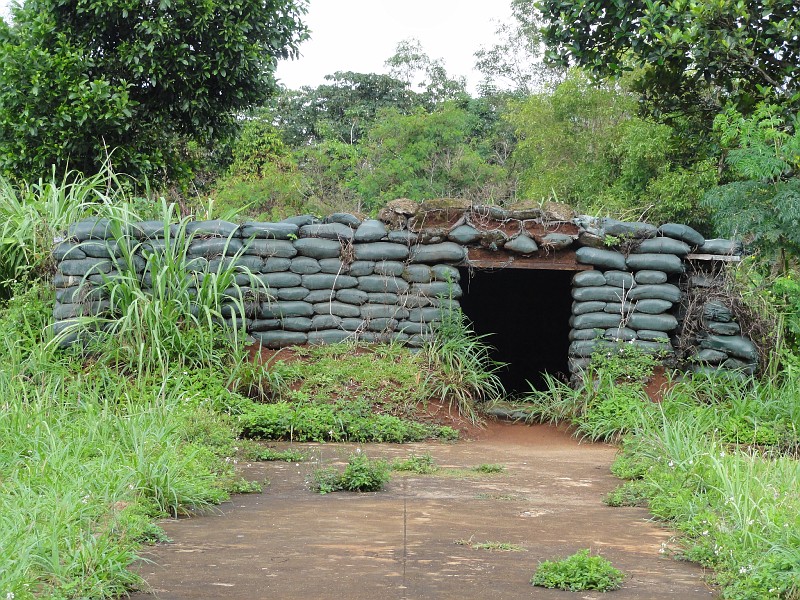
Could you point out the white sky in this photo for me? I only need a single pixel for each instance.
(359, 35)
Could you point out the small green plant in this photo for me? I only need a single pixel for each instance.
(491, 546)
(630, 493)
(421, 464)
(578, 572)
(361, 474)
(288, 455)
(489, 468)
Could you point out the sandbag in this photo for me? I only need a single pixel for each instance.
(683, 233)
(653, 306)
(296, 324)
(623, 334)
(266, 248)
(318, 248)
(328, 336)
(216, 227)
(635, 229)
(344, 218)
(380, 251)
(668, 263)
(425, 315)
(619, 279)
(380, 325)
(84, 266)
(316, 296)
(662, 322)
(389, 268)
(370, 230)
(327, 231)
(351, 296)
(730, 328)
(292, 293)
(326, 281)
(710, 356)
(595, 320)
(282, 310)
(607, 259)
(585, 348)
(279, 280)
(581, 308)
(215, 247)
(618, 308)
(664, 291)
(597, 294)
(438, 289)
(305, 265)
(663, 245)
(720, 246)
(464, 234)
(746, 368)
(361, 268)
(588, 279)
(585, 334)
(417, 274)
(272, 231)
(555, 241)
(338, 309)
(378, 283)
(276, 265)
(654, 347)
(384, 298)
(649, 335)
(650, 277)
(280, 339)
(521, 244)
(716, 311)
(445, 273)
(438, 253)
(383, 311)
(733, 345)
(333, 266)
(66, 250)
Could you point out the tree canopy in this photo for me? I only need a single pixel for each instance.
(83, 76)
(691, 55)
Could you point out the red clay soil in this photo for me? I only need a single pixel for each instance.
(401, 543)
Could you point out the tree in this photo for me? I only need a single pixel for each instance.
(410, 63)
(515, 62)
(428, 155)
(81, 77)
(584, 144)
(762, 203)
(344, 108)
(690, 56)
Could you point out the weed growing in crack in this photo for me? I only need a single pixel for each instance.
(578, 572)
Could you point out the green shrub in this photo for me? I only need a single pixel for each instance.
(422, 464)
(578, 572)
(361, 474)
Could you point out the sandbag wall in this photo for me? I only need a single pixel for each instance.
(323, 281)
(633, 294)
(315, 282)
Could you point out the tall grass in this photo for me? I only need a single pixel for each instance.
(461, 369)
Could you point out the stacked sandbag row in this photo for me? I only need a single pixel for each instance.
(721, 344)
(629, 297)
(300, 280)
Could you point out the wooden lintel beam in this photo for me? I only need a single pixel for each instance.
(564, 260)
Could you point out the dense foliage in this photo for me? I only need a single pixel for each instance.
(82, 78)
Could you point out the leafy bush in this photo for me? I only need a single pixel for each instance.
(360, 475)
(578, 572)
(422, 464)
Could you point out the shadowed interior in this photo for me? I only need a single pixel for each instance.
(525, 314)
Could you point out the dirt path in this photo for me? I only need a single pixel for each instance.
(290, 543)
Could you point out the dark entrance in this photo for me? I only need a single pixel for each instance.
(525, 313)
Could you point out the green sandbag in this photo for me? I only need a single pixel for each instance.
(716, 311)
(652, 306)
(621, 334)
(710, 356)
(274, 231)
(292, 293)
(650, 277)
(350, 296)
(325, 281)
(325, 322)
(379, 283)
(446, 273)
(619, 279)
(618, 308)
(595, 320)
(370, 230)
(389, 268)
(585, 334)
(296, 324)
(318, 247)
(383, 311)
(661, 322)
(581, 308)
(608, 259)
(464, 234)
(280, 280)
(361, 268)
(663, 245)
(333, 266)
(648, 335)
(664, 291)
(585, 348)
(305, 265)
(733, 345)
(276, 265)
(84, 266)
(339, 309)
(597, 294)
(588, 279)
(669, 263)
(445, 252)
(723, 328)
(746, 368)
(417, 274)
(328, 231)
(276, 248)
(280, 339)
(282, 310)
(214, 247)
(328, 336)
(654, 347)
(683, 233)
(380, 251)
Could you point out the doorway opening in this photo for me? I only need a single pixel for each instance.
(525, 315)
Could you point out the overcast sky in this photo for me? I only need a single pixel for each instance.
(359, 35)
